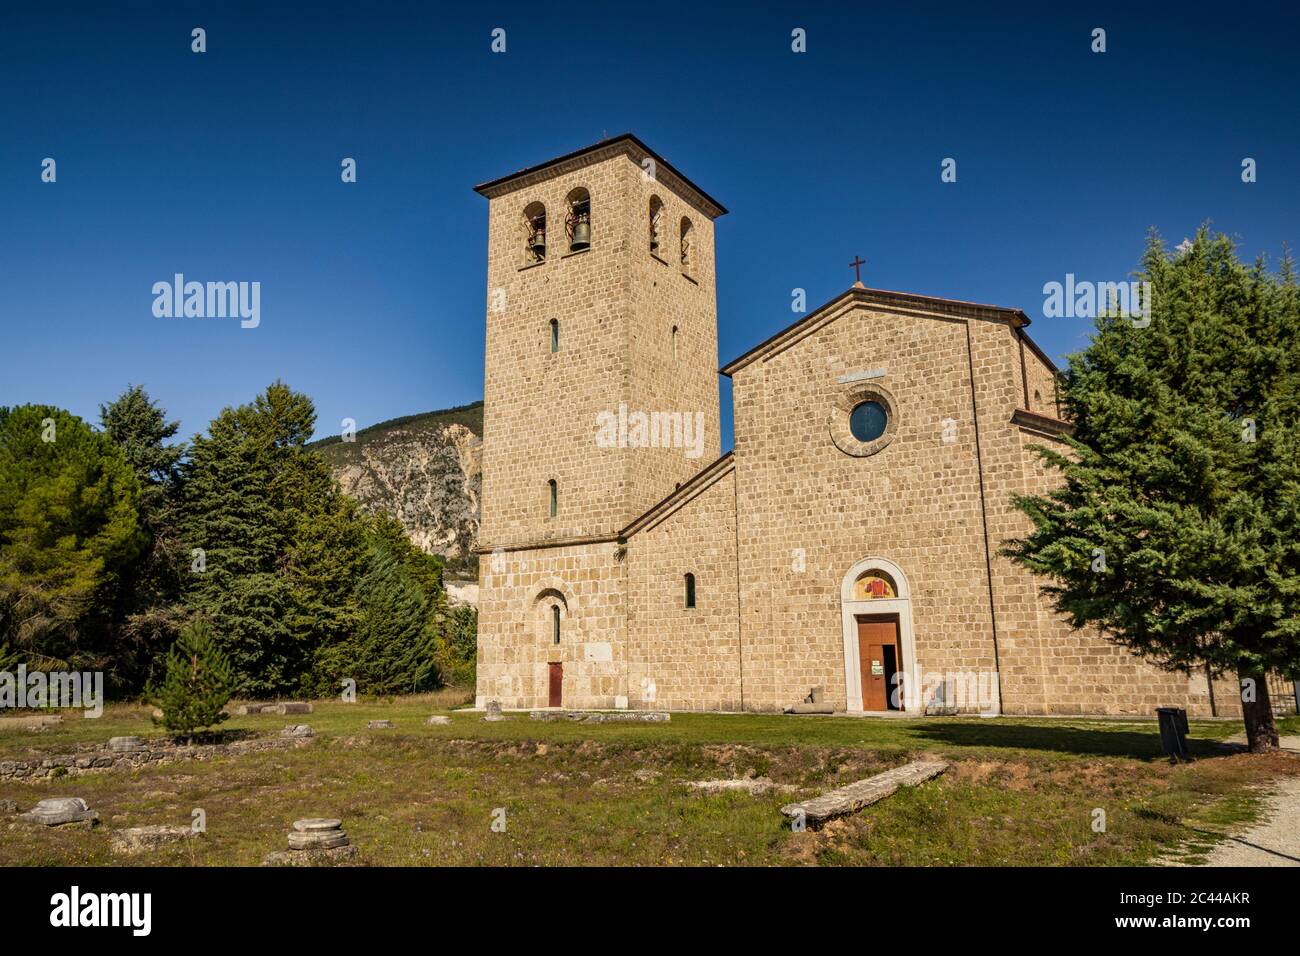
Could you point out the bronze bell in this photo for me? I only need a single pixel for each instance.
(537, 243)
(581, 235)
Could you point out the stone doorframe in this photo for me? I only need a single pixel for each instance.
(849, 611)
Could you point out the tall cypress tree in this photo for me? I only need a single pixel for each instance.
(1184, 476)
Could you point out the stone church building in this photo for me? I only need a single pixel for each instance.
(848, 543)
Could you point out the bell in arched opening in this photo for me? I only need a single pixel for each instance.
(578, 221)
(535, 233)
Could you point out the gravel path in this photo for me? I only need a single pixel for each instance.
(1273, 842)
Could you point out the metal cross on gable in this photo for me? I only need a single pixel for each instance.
(856, 265)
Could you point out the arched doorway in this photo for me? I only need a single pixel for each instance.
(551, 628)
(879, 651)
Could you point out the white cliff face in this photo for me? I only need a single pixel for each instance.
(427, 475)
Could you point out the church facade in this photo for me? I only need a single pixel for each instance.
(845, 552)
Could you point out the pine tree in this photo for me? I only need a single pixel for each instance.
(1176, 531)
(198, 683)
(68, 527)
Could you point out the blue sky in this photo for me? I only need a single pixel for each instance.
(225, 166)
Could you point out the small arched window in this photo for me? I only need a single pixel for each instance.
(1038, 398)
(555, 623)
(686, 239)
(555, 335)
(656, 222)
(577, 219)
(555, 496)
(690, 589)
(674, 343)
(534, 233)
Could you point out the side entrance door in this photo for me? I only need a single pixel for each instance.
(878, 659)
(557, 684)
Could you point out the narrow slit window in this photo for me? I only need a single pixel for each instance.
(690, 590)
(674, 343)
(555, 623)
(555, 335)
(555, 496)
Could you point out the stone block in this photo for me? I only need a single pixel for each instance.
(56, 811)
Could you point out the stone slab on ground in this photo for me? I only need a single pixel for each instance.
(133, 840)
(438, 720)
(123, 745)
(493, 711)
(298, 730)
(34, 722)
(603, 716)
(57, 811)
(863, 793)
(282, 708)
(379, 725)
(329, 856)
(289, 707)
(752, 785)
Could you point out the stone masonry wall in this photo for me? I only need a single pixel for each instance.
(516, 646)
(540, 406)
(916, 502)
(682, 658)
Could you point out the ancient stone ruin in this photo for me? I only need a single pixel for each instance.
(57, 811)
(314, 841)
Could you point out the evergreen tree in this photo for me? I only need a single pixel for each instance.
(199, 682)
(281, 547)
(153, 616)
(140, 428)
(68, 527)
(1176, 531)
(457, 646)
(392, 648)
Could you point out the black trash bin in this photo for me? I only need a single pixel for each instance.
(1173, 732)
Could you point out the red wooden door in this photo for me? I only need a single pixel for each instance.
(557, 684)
(873, 638)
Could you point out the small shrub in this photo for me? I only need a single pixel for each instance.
(198, 684)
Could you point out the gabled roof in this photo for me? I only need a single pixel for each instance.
(627, 144)
(862, 295)
(685, 492)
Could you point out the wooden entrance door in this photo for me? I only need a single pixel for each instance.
(557, 684)
(879, 659)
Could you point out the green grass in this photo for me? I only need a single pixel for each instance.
(1020, 791)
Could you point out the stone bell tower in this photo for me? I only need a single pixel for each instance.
(601, 308)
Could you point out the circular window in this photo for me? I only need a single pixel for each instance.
(867, 421)
(863, 420)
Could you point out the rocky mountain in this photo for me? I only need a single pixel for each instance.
(424, 470)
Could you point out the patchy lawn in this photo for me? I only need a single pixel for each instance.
(1020, 791)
